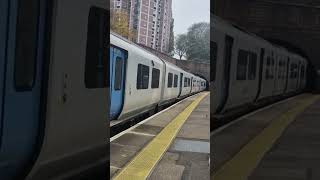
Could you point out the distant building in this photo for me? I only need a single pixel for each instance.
(120, 5)
(149, 20)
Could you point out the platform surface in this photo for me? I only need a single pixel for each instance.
(184, 126)
(281, 141)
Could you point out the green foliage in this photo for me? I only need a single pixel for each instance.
(199, 42)
(195, 44)
(181, 45)
(171, 40)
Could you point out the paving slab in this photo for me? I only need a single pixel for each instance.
(192, 145)
(181, 162)
(226, 143)
(296, 154)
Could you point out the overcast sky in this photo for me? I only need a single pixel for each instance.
(187, 12)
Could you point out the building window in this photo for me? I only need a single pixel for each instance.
(169, 80)
(155, 78)
(96, 68)
(143, 77)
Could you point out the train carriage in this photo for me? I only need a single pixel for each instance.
(141, 82)
(53, 89)
(171, 88)
(248, 69)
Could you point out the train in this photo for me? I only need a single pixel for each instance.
(141, 82)
(248, 71)
(53, 89)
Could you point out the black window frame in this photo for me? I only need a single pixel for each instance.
(175, 81)
(252, 66)
(141, 81)
(185, 82)
(302, 72)
(214, 56)
(170, 80)
(26, 47)
(118, 75)
(97, 53)
(242, 65)
(155, 82)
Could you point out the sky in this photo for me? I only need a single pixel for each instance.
(188, 12)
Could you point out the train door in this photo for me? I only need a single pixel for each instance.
(226, 71)
(117, 71)
(180, 84)
(22, 46)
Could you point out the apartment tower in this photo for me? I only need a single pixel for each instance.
(150, 20)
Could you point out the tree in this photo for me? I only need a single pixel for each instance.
(199, 42)
(171, 39)
(120, 24)
(181, 45)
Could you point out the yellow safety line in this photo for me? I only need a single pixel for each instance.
(243, 163)
(142, 164)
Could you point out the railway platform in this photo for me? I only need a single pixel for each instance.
(280, 141)
(172, 144)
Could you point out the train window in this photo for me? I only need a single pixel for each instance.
(189, 82)
(293, 71)
(185, 82)
(96, 70)
(118, 73)
(302, 72)
(279, 69)
(267, 75)
(296, 71)
(242, 65)
(26, 45)
(175, 84)
(169, 80)
(272, 68)
(143, 77)
(252, 66)
(214, 52)
(155, 78)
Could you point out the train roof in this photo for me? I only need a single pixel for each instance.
(242, 31)
(130, 43)
(116, 39)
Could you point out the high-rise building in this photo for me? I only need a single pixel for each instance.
(150, 20)
(120, 5)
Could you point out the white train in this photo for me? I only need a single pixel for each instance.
(53, 84)
(141, 82)
(248, 70)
